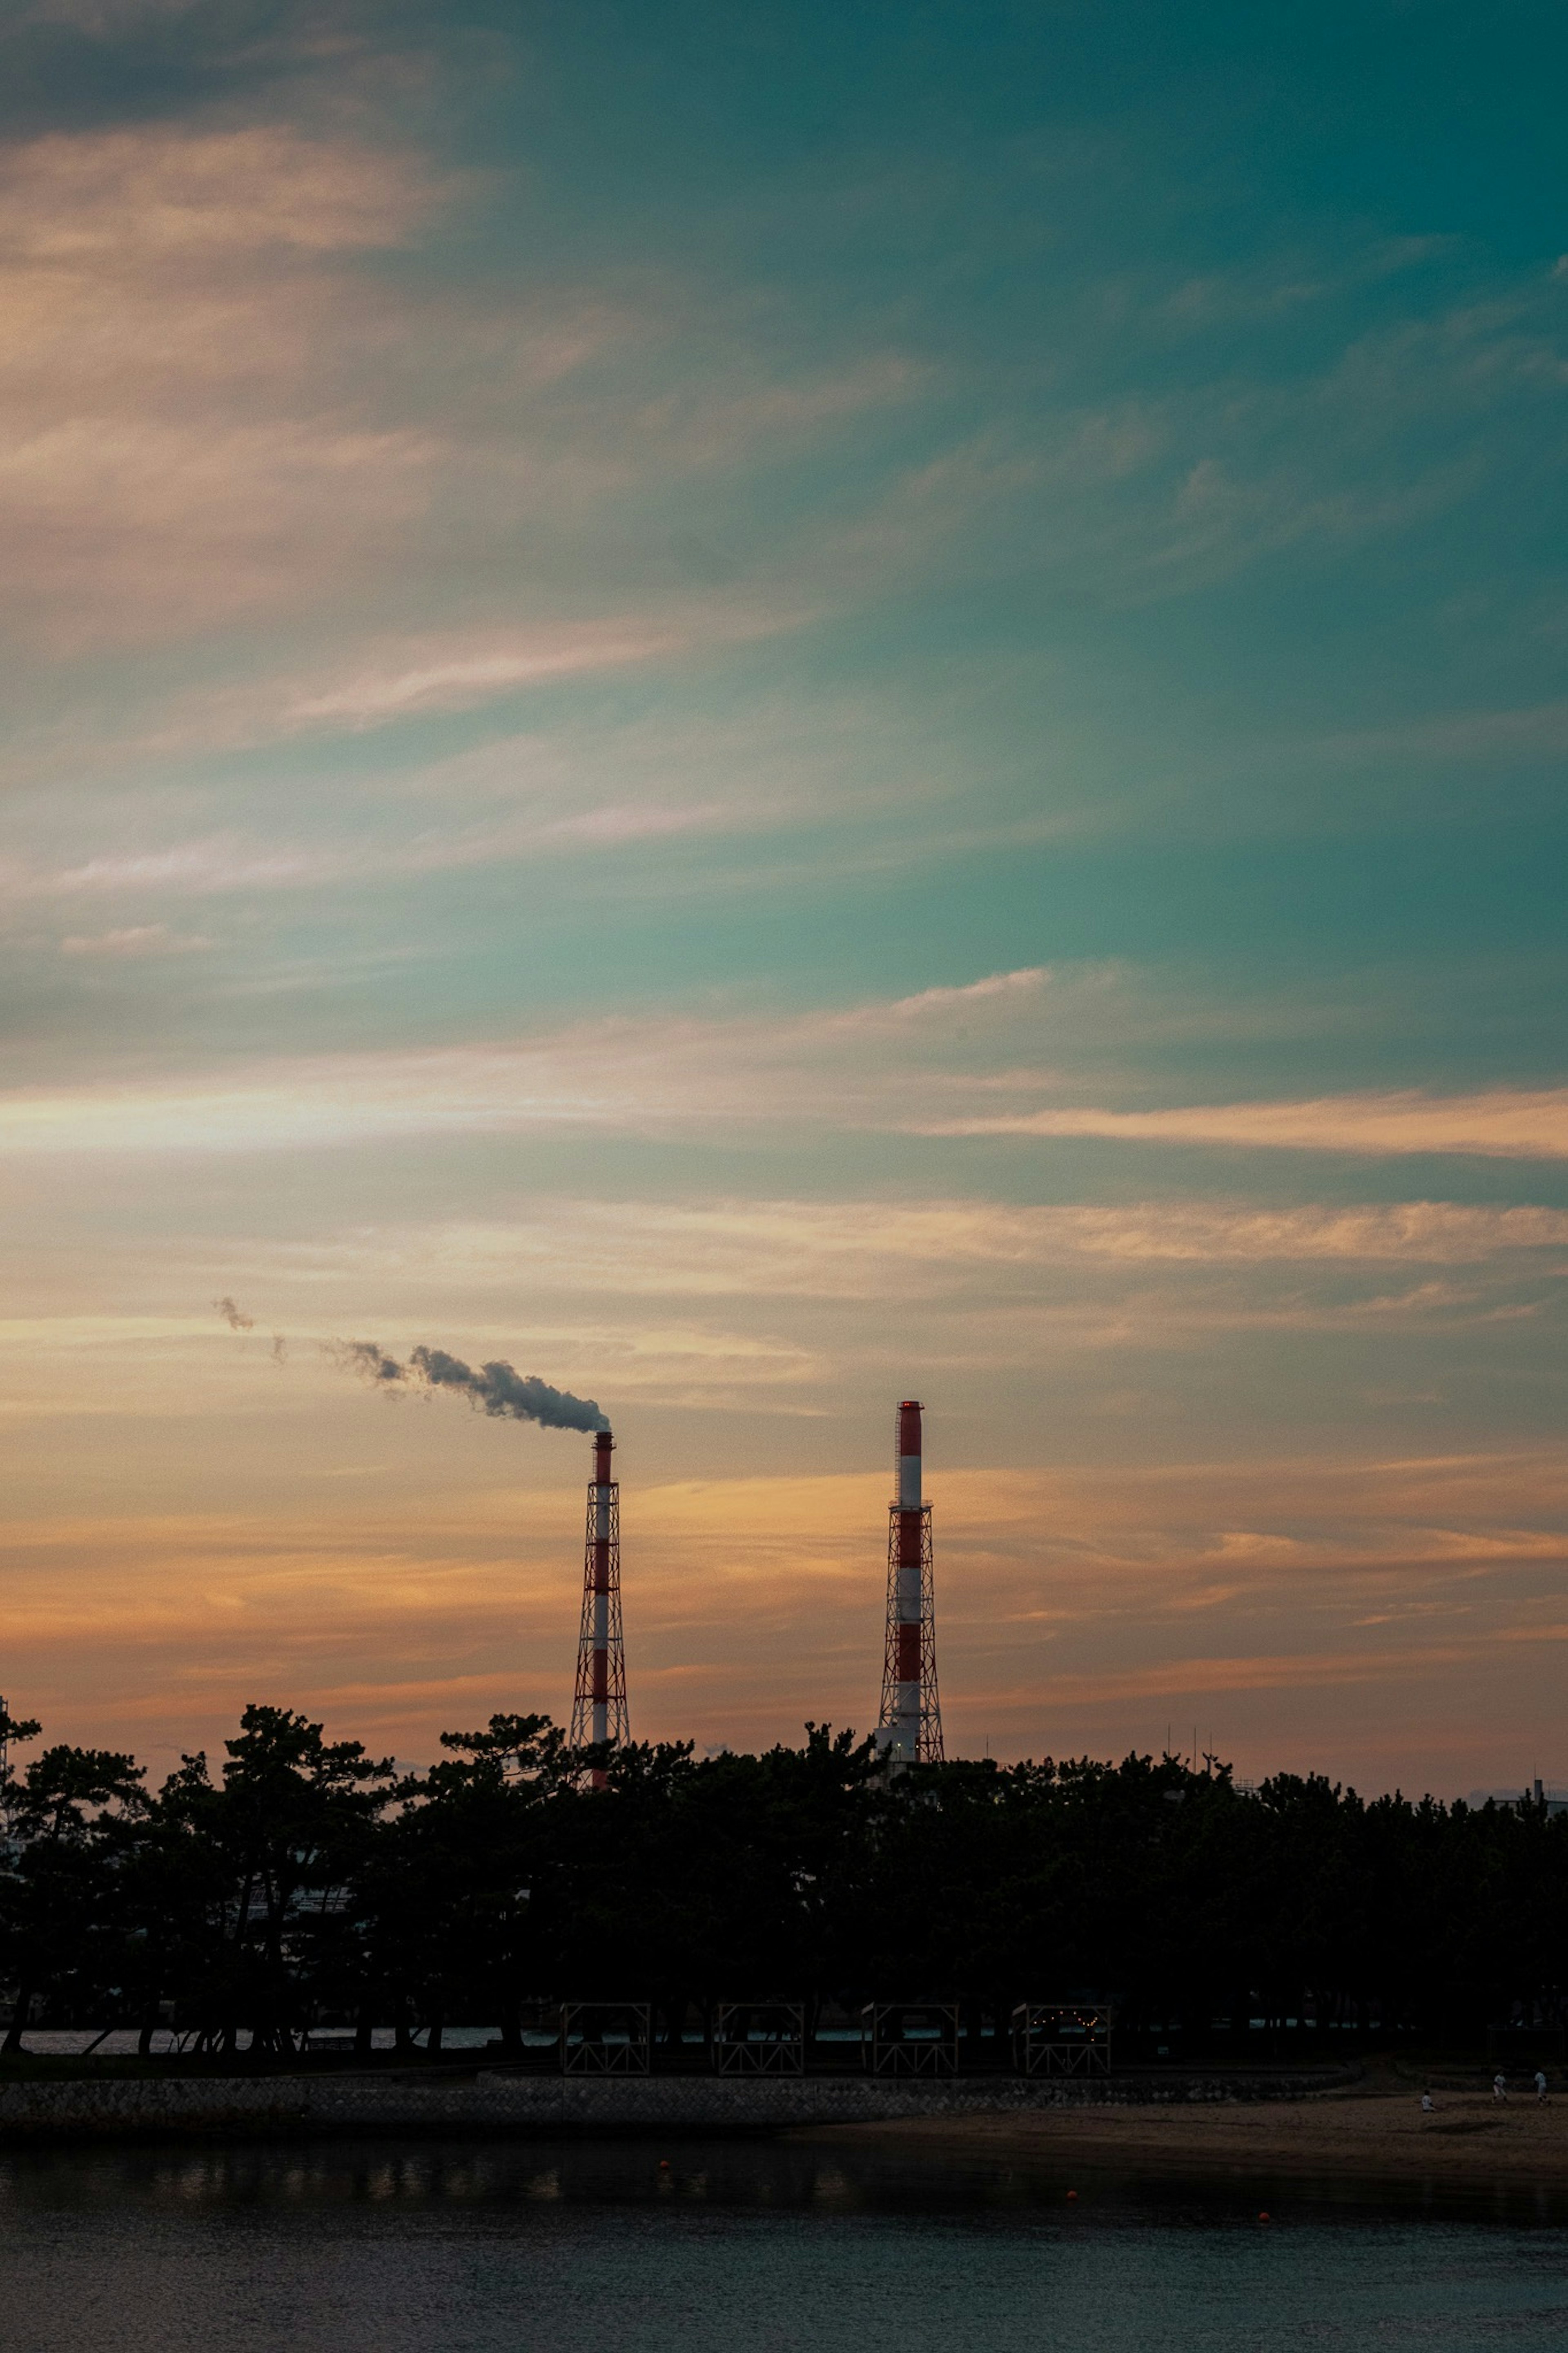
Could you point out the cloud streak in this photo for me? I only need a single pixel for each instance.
(836, 1071)
(459, 680)
(1503, 1122)
(133, 940)
(956, 1050)
(838, 1066)
(848, 1247)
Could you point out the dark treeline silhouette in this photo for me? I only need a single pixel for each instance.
(303, 1882)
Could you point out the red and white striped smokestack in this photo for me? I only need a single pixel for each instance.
(910, 1521)
(604, 1445)
(599, 1711)
(906, 1463)
(910, 1721)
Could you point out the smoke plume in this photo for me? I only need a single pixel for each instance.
(495, 1389)
(235, 1317)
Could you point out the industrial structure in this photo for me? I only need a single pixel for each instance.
(909, 1724)
(909, 1720)
(599, 1702)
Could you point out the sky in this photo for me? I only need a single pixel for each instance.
(766, 709)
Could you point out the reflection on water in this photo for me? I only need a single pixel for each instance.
(715, 2246)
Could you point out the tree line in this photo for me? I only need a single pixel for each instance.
(303, 1882)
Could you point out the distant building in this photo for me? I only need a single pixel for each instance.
(1555, 1800)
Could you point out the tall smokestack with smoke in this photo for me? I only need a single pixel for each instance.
(495, 1388)
(599, 1702)
(909, 1725)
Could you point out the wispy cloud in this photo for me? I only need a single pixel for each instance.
(838, 1066)
(455, 683)
(174, 190)
(1501, 1123)
(956, 1050)
(1534, 732)
(881, 1248)
(217, 408)
(178, 304)
(227, 863)
(134, 940)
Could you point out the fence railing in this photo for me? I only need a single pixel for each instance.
(1059, 2038)
(759, 2038)
(605, 2038)
(794, 2038)
(911, 2037)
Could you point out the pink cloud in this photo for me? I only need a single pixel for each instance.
(1503, 1122)
(459, 679)
(169, 191)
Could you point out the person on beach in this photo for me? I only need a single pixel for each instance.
(1540, 2087)
(1428, 2103)
(1500, 2085)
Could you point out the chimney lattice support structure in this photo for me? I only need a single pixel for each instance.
(599, 1701)
(909, 1725)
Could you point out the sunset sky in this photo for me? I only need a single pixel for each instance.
(767, 707)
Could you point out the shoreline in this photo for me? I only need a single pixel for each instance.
(1366, 2133)
(491, 2101)
(1248, 2130)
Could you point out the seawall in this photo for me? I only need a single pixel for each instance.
(494, 2102)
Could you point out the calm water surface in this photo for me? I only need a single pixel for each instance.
(740, 2247)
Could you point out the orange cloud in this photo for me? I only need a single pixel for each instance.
(1504, 1123)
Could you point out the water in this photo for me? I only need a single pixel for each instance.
(741, 2247)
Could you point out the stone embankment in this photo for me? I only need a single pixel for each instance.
(497, 2102)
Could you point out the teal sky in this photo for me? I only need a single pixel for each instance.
(768, 708)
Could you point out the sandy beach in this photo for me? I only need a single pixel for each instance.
(1377, 2130)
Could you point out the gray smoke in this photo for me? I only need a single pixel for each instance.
(236, 1320)
(371, 1363)
(495, 1388)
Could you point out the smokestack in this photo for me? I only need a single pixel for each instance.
(909, 1727)
(599, 1702)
